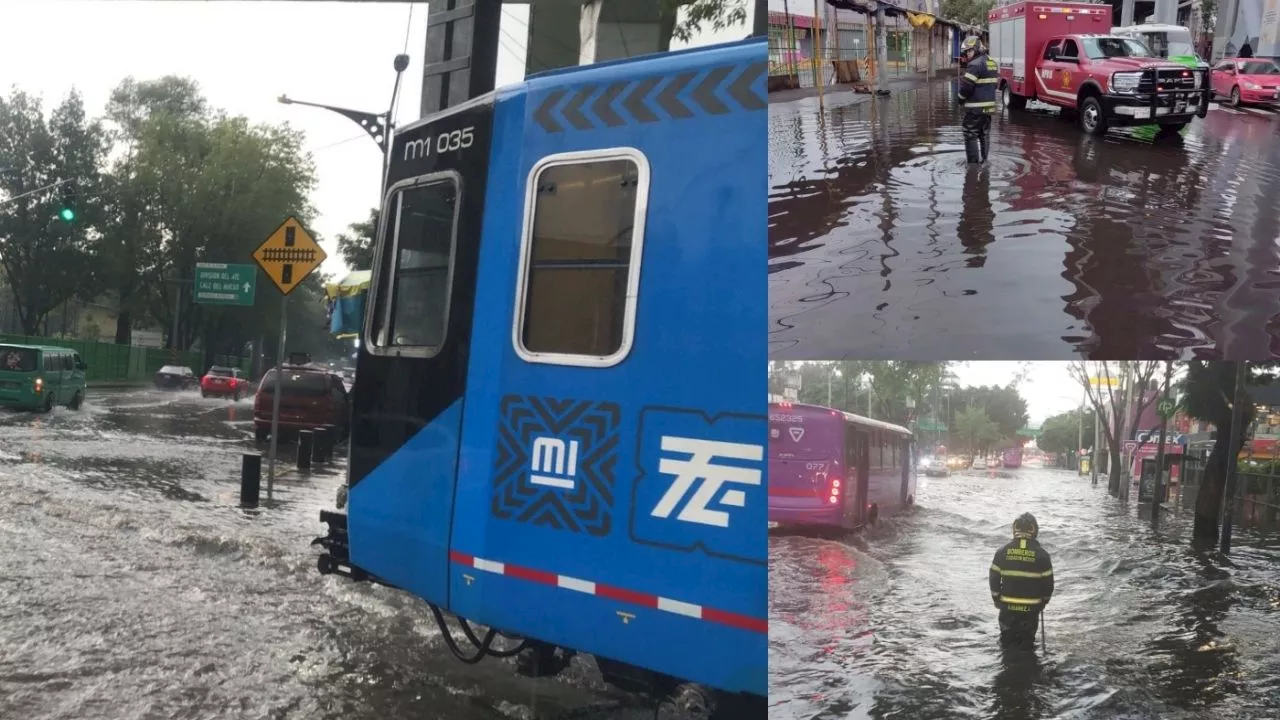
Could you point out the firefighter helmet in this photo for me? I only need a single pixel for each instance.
(971, 45)
(1026, 526)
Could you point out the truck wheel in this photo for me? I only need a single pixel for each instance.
(1092, 118)
(1011, 101)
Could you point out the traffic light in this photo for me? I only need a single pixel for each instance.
(67, 209)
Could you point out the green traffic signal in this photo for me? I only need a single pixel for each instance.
(68, 214)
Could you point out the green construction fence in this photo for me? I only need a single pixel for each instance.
(109, 362)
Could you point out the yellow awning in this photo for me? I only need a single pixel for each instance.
(355, 282)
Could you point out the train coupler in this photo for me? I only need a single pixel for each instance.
(336, 560)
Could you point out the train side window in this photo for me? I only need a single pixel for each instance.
(580, 258)
(412, 305)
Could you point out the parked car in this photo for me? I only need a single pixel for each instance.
(223, 382)
(312, 396)
(176, 377)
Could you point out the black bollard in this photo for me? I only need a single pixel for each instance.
(322, 438)
(250, 479)
(306, 440)
(334, 436)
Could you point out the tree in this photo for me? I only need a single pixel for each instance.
(130, 227)
(357, 247)
(1209, 394)
(698, 14)
(974, 431)
(212, 187)
(969, 12)
(881, 389)
(46, 260)
(1005, 406)
(1060, 433)
(1117, 396)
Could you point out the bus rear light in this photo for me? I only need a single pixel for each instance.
(833, 499)
(835, 483)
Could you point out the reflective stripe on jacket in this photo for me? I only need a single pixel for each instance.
(978, 86)
(1021, 576)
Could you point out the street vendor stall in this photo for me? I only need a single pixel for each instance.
(346, 299)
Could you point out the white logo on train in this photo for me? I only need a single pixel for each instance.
(553, 463)
(796, 434)
(700, 479)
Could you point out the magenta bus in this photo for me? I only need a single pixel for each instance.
(1012, 457)
(818, 458)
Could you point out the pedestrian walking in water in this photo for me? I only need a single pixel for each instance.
(977, 93)
(1021, 579)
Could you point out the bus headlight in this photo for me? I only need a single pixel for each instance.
(1125, 82)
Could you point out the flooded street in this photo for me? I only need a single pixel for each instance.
(899, 623)
(883, 244)
(134, 587)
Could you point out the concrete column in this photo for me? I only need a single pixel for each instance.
(616, 29)
(1225, 28)
(1126, 13)
(882, 51)
(1166, 12)
(553, 35)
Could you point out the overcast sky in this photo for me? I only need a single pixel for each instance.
(1048, 388)
(245, 55)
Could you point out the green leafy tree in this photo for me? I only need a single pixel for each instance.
(1004, 405)
(882, 389)
(1208, 394)
(970, 12)
(356, 245)
(975, 431)
(1060, 433)
(130, 228)
(698, 15)
(47, 260)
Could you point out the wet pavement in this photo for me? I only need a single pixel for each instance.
(134, 587)
(883, 244)
(898, 623)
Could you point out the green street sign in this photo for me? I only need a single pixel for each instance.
(223, 284)
(1166, 407)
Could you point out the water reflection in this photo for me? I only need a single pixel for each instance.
(884, 244)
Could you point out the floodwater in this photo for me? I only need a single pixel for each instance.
(134, 587)
(883, 244)
(898, 623)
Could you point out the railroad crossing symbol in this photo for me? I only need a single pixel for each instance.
(289, 255)
(1165, 407)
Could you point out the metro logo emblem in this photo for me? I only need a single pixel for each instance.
(549, 457)
(701, 485)
(796, 434)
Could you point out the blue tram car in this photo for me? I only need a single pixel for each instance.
(559, 428)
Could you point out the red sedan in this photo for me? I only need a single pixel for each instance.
(1246, 81)
(223, 382)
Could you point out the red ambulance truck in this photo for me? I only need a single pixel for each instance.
(1063, 54)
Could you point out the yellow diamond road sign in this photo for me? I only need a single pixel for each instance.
(289, 255)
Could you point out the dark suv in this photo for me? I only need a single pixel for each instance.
(312, 396)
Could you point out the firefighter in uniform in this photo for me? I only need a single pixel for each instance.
(1021, 581)
(978, 96)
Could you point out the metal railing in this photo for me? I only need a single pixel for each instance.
(1257, 500)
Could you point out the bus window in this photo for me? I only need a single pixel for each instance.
(421, 267)
(581, 259)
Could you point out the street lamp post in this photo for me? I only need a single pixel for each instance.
(379, 126)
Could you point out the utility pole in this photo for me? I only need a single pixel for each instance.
(1122, 430)
(1164, 425)
(1233, 460)
(1080, 430)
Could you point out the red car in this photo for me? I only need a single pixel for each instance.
(223, 382)
(1246, 81)
(312, 397)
